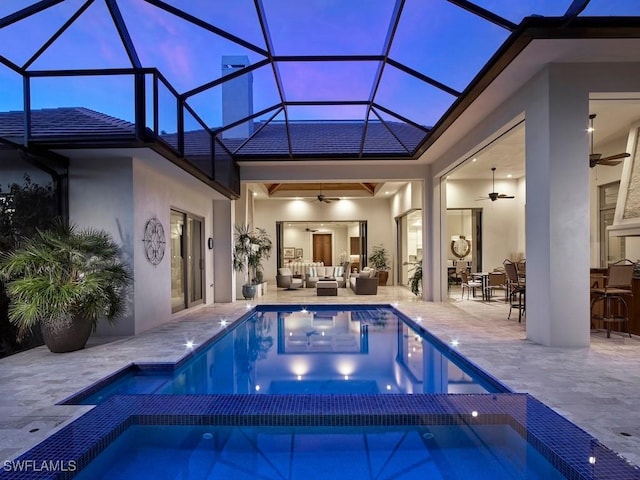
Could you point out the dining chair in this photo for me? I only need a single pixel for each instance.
(462, 266)
(516, 289)
(614, 295)
(496, 281)
(469, 285)
(521, 266)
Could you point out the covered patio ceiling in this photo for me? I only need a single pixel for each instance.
(350, 80)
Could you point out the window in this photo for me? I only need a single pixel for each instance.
(612, 248)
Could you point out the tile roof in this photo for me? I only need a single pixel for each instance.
(308, 139)
(63, 122)
(331, 138)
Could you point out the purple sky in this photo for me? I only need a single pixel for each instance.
(434, 37)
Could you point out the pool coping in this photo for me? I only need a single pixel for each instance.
(566, 446)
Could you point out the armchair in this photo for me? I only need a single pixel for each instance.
(285, 279)
(364, 285)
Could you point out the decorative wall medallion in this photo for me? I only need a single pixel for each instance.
(154, 241)
(461, 247)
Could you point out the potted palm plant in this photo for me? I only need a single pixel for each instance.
(379, 259)
(415, 280)
(65, 280)
(250, 248)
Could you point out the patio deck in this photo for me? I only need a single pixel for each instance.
(596, 388)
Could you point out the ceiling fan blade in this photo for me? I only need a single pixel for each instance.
(609, 163)
(503, 195)
(615, 157)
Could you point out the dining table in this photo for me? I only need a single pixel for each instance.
(484, 279)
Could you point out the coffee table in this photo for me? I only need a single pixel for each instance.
(327, 288)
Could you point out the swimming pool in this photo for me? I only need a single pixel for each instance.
(542, 437)
(519, 417)
(318, 350)
(424, 451)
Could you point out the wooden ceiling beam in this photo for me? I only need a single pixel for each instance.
(316, 188)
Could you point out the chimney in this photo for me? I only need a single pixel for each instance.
(237, 97)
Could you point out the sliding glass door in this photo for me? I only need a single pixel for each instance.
(187, 261)
(409, 231)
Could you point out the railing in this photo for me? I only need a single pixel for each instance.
(159, 118)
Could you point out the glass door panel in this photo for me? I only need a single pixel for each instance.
(409, 244)
(178, 300)
(196, 261)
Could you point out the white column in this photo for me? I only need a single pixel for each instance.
(224, 285)
(557, 210)
(430, 238)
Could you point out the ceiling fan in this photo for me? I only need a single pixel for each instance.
(324, 199)
(493, 196)
(597, 158)
(312, 230)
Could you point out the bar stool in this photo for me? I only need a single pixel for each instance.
(618, 286)
(517, 290)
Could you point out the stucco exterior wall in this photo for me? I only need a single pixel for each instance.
(120, 195)
(101, 196)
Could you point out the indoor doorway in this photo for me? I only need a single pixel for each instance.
(322, 251)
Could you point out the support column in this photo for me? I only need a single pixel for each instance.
(557, 210)
(224, 285)
(430, 237)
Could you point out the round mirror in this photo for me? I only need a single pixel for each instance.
(461, 247)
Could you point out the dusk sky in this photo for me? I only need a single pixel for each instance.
(434, 37)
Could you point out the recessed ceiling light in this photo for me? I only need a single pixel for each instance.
(509, 176)
(474, 160)
(255, 194)
(386, 193)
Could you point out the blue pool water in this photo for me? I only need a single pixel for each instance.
(319, 350)
(428, 452)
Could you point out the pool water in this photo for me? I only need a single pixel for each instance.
(316, 351)
(426, 452)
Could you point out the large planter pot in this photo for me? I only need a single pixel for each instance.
(383, 276)
(248, 291)
(62, 335)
